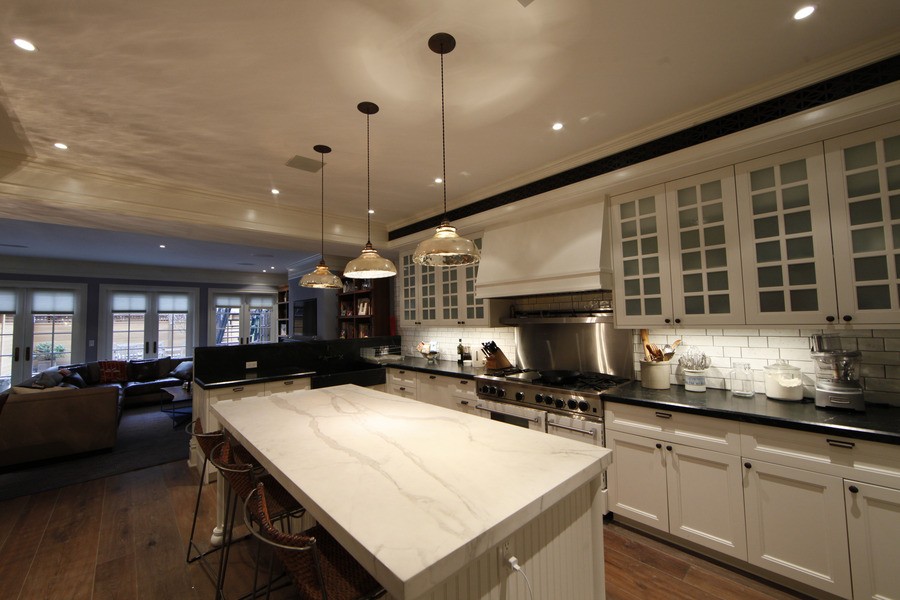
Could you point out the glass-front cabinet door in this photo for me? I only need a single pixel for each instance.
(864, 192)
(643, 291)
(786, 238)
(704, 256)
(409, 291)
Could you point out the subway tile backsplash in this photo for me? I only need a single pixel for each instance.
(879, 369)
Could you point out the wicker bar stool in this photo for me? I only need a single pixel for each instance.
(206, 441)
(318, 565)
(242, 477)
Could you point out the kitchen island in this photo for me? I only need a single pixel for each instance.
(428, 499)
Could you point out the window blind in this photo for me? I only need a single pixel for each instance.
(53, 301)
(170, 303)
(128, 302)
(261, 301)
(231, 301)
(7, 301)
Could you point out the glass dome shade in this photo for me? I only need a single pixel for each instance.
(446, 249)
(369, 265)
(321, 278)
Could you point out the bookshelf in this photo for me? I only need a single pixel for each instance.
(284, 312)
(364, 308)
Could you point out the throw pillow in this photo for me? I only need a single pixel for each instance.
(28, 390)
(184, 371)
(142, 370)
(49, 378)
(113, 371)
(91, 373)
(74, 379)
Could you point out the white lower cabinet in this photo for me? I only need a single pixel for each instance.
(401, 382)
(689, 492)
(796, 525)
(873, 526)
(287, 385)
(434, 389)
(456, 393)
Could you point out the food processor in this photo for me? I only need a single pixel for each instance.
(837, 374)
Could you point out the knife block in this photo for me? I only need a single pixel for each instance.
(497, 360)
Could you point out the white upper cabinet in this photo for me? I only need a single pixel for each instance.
(444, 296)
(864, 193)
(676, 256)
(786, 238)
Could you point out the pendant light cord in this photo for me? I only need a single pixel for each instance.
(368, 188)
(443, 138)
(323, 206)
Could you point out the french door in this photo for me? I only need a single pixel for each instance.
(40, 327)
(147, 323)
(242, 318)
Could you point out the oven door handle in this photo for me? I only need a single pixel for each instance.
(500, 412)
(590, 432)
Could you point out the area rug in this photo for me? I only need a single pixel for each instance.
(146, 438)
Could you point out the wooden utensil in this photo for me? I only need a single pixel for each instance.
(645, 341)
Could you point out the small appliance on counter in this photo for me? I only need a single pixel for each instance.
(495, 360)
(837, 374)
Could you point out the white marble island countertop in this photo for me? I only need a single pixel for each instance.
(413, 491)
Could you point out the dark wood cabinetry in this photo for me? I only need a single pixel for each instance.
(365, 311)
(284, 313)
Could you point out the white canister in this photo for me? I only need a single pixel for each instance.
(655, 375)
(783, 381)
(695, 380)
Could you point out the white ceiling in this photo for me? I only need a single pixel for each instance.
(179, 116)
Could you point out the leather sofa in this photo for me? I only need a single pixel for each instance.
(139, 382)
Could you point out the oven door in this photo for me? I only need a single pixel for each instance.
(513, 415)
(584, 430)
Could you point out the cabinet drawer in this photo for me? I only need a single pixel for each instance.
(692, 430)
(861, 460)
(287, 385)
(403, 377)
(237, 392)
(463, 388)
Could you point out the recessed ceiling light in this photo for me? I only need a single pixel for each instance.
(275, 192)
(438, 180)
(24, 44)
(60, 146)
(371, 211)
(162, 245)
(557, 126)
(273, 268)
(804, 12)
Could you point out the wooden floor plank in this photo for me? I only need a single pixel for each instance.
(65, 562)
(115, 575)
(22, 545)
(667, 562)
(645, 581)
(10, 511)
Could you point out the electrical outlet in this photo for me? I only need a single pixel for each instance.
(504, 552)
(250, 364)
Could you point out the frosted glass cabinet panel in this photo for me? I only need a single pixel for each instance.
(705, 260)
(864, 192)
(643, 290)
(786, 239)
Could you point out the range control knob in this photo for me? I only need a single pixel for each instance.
(520, 396)
(484, 389)
(560, 403)
(548, 399)
(492, 391)
(538, 398)
(584, 406)
(501, 392)
(573, 404)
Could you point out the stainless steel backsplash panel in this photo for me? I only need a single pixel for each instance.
(597, 347)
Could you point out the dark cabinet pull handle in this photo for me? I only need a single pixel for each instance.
(403, 389)
(464, 382)
(830, 318)
(840, 444)
(401, 372)
(678, 320)
(432, 377)
(659, 446)
(663, 415)
(853, 489)
(16, 354)
(668, 320)
(290, 382)
(154, 347)
(847, 318)
(146, 347)
(27, 353)
(464, 402)
(747, 465)
(669, 448)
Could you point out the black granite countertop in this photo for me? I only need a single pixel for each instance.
(878, 423)
(438, 367)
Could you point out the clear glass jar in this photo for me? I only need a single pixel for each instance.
(783, 381)
(742, 380)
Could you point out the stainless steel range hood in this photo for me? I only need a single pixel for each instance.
(563, 251)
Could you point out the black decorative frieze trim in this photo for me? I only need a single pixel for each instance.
(841, 86)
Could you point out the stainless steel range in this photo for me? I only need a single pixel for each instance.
(564, 366)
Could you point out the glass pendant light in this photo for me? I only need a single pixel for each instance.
(369, 265)
(321, 277)
(445, 248)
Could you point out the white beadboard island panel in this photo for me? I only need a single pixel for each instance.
(422, 496)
